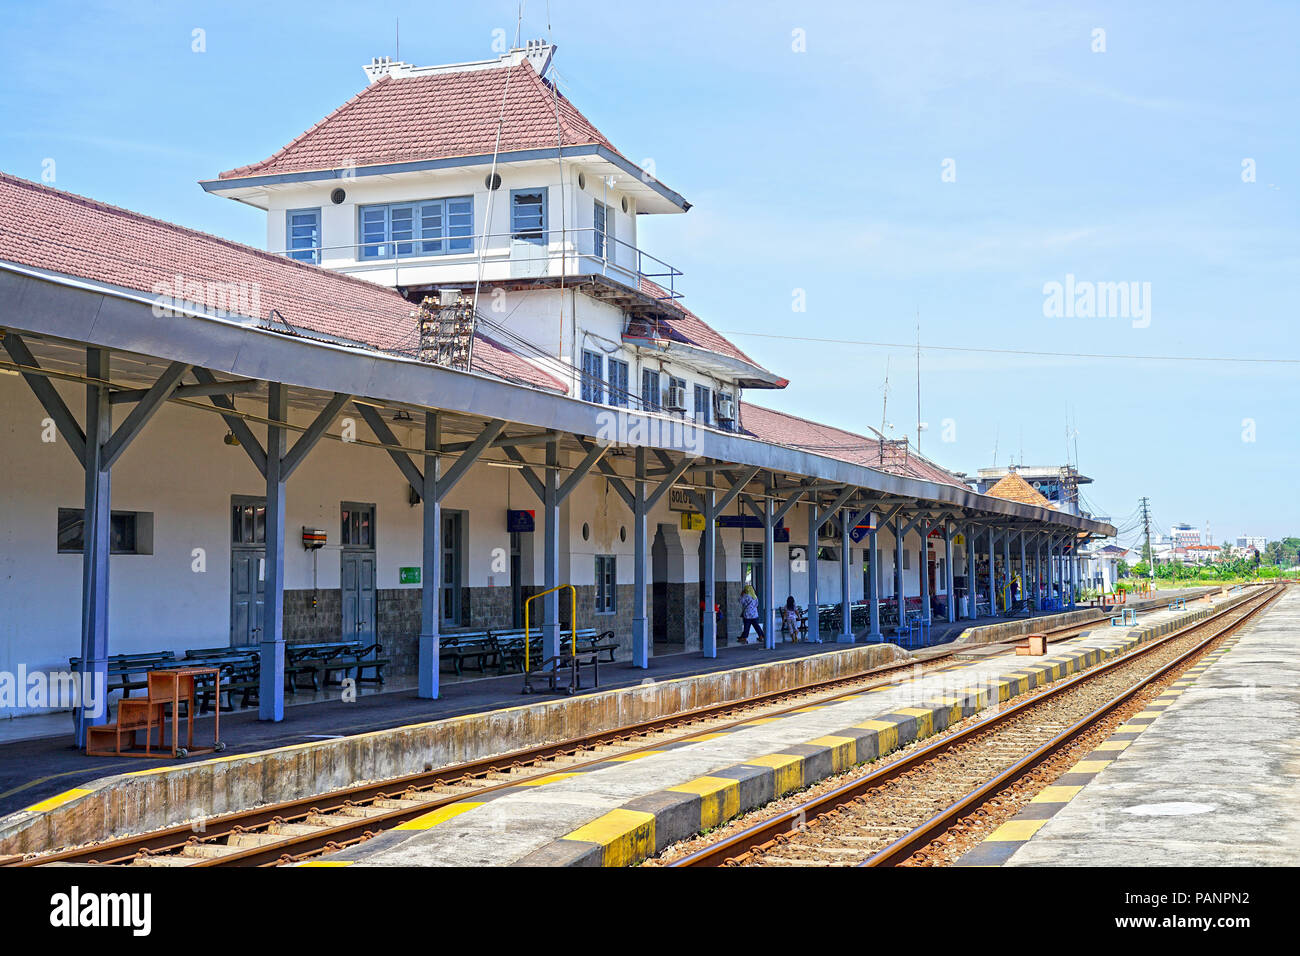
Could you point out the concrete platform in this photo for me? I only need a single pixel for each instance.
(38, 761)
(624, 810)
(1206, 776)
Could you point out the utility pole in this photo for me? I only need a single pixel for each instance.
(1146, 531)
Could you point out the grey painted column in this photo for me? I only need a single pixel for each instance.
(1051, 560)
(1038, 574)
(641, 559)
(769, 573)
(96, 538)
(1074, 565)
(710, 633)
(923, 567)
(948, 576)
(814, 618)
(1024, 571)
(431, 562)
(873, 584)
(270, 699)
(551, 554)
(846, 625)
(899, 596)
(970, 573)
(1006, 564)
(993, 578)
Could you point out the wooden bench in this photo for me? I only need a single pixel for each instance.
(308, 659)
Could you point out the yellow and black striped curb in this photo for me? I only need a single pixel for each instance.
(644, 826)
(999, 846)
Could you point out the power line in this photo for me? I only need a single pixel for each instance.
(1029, 352)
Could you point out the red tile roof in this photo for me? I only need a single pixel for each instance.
(685, 327)
(50, 229)
(438, 116)
(780, 428)
(1011, 487)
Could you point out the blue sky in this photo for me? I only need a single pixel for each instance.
(821, 170)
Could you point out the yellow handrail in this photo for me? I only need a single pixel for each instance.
(573, 621)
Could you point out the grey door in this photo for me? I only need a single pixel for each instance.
(357, 572)
(247, 569)
(247, 595)
(359, 602)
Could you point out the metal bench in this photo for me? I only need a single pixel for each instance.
(124, 666)
(1126, 617)
(356, 659)
(240, 674)
(478, 647)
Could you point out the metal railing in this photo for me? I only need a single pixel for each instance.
(590, 250)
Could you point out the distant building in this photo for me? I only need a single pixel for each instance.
(1184, 535)
(1252, 541)
(1059, 484)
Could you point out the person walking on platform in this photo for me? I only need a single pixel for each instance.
(749, 614)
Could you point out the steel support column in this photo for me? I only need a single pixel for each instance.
(814, 617)
(971, 583)
(640, 563)
(551, 552)
(873, 585)
(947, 563)
(924, 568)
(769, 573)
(899, 535)
(993, 579)
(1024, 570)
(270, 699)
(1006, 565)
(709, 624)
(1051, 560)
(846, 604)
(96, 538)
(431, 563)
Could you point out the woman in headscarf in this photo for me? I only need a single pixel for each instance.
(749, 614)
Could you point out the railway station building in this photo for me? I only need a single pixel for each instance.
(452, 380)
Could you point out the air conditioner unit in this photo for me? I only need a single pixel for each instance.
(676, 400)
(726, 410)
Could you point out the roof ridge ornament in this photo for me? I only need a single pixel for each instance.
(538, 53)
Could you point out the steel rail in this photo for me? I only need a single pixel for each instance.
(765, 831)
(123, 850)
(927, 832)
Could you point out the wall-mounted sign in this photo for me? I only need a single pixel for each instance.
(959, 540)
(679, 500)
(692, 521)
(740, 521)
(781, 535)
(313, 538)
(408, 575)
(864, 528)
(520, 521)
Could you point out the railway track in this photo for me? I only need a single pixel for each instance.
(288, 832)
(900, 813)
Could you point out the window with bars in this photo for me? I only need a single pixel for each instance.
(358, 526)
(650, 397)
(603, 220)
(605, 581)
(703, 405)
(302, 234)
(427, 228)
(593, 376)
(617, 382)
(528, 214)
